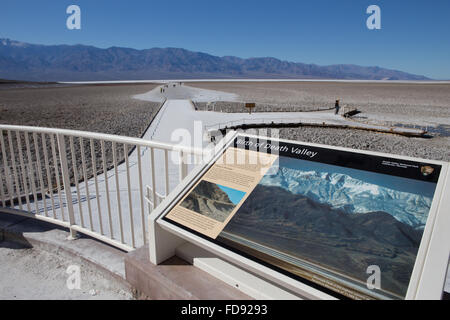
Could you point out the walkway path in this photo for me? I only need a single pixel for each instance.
(181, 114)
(177, 122)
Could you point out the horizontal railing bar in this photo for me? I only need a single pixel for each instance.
(106, 137)
(58, 177)
(35, 216)
(103, 238)
(76, 228)
(161, 196)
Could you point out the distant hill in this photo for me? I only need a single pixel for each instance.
(316, 232)
(341, 191)
(30, 62)
(208, 199)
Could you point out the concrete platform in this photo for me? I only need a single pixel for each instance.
(45, 236)
(174, 279)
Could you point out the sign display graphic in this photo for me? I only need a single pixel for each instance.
(317, 214)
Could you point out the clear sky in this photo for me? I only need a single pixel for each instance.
(234, 195)
(414, 35)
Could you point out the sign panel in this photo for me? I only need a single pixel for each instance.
(348, 223)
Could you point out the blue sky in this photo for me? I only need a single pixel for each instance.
(234, 195)
(414, 35)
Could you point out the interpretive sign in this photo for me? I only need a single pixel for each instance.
(250, 106)
(322, 216)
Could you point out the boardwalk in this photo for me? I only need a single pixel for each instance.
(177, 122)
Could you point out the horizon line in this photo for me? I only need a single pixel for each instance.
(224, 56)
(163, 81)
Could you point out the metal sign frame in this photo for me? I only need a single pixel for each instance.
(429, 273)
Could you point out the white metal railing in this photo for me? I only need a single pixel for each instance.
(91, 183)
(269, 121)
(384, 126)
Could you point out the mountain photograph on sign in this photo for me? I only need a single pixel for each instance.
(213, 200)
(310, 216)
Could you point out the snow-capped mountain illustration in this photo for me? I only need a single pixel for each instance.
(341, 191)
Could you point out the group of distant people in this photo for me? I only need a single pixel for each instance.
(163, 89)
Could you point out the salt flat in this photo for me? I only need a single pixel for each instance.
(176, 119)
(405, 102)
(177, 115)
(174, 91)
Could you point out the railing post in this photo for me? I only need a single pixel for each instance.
(152, 160)
(183, 166)
(66, 183)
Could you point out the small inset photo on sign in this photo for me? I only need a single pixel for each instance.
(213, 200)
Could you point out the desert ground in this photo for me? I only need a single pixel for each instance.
(405, 104)
(41, 275)
(425, 102)
(98, 108)
(115, 109)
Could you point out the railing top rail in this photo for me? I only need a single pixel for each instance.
(260, 120)
(256, 121)
(106, 137)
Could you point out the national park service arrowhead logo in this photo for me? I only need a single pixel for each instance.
(426, 170)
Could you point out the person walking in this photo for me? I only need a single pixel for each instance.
(337, 107)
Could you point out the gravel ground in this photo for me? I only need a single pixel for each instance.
(415, 100)
(239, 107)
(100, 108)
(436, 148)
(32, 274)
(111, 109)
(409, 104)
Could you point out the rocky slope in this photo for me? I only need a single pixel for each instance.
(208, 199)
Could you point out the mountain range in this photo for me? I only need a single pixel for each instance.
(341, 191)
(209, 200)
(33, 62)
(331, 237)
